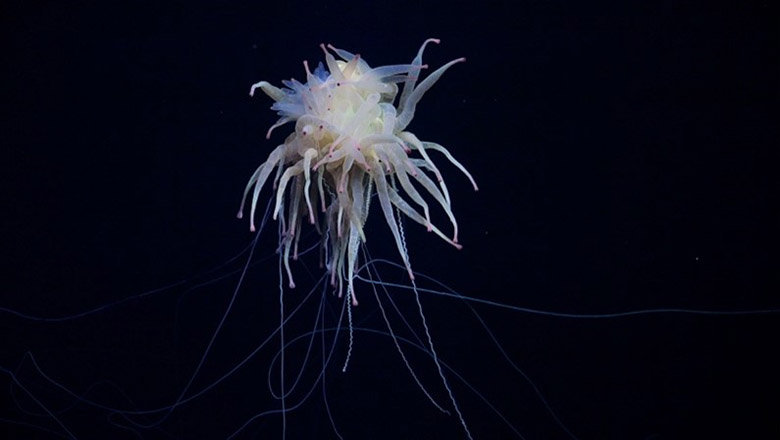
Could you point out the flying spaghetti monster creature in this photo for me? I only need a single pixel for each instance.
(349, 141)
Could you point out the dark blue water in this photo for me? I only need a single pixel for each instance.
(626, 158)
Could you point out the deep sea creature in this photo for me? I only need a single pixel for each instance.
(350, 140)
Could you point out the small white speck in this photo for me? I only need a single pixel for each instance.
(696, 258)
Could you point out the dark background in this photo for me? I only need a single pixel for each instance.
(626, 156)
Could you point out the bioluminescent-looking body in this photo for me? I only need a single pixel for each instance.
(350, 140)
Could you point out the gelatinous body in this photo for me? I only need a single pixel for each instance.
(350, 141)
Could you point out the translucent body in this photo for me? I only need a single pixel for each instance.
(349, 141)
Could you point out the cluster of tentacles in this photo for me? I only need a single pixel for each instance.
(349, 142)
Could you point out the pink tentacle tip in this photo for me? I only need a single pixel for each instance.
(354, 301)
(292, 285)
(240, 215)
